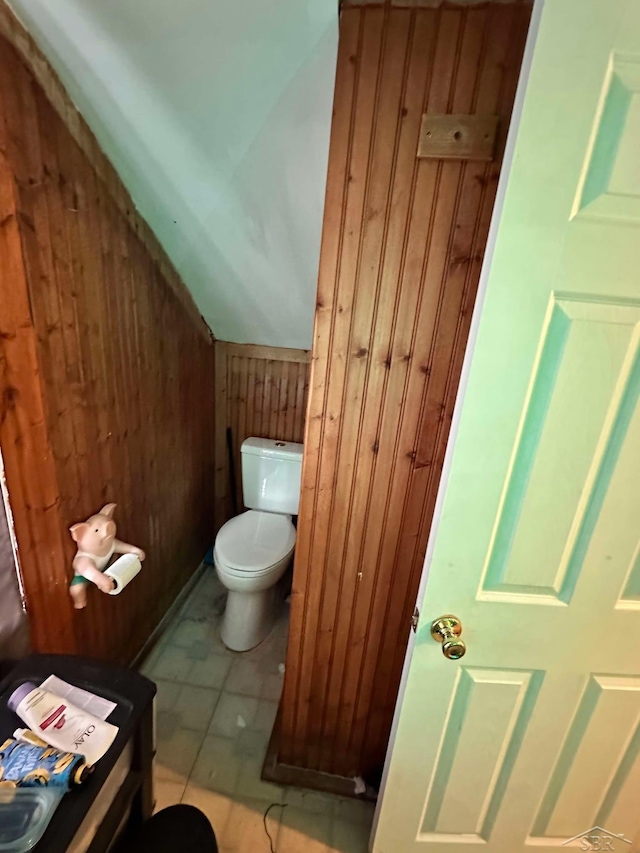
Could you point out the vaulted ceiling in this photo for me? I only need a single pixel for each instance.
(217, 116)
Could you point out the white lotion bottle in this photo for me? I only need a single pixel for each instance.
(61, 724)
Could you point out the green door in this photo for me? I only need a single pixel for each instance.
(532, 738)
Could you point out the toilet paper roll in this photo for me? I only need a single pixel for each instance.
(123, 571)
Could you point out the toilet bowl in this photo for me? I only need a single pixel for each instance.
(252, 552)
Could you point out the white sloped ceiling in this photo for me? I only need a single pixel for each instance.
(217, 117)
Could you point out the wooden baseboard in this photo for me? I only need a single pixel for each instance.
(287, 775)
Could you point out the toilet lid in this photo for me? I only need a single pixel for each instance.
(255, 540)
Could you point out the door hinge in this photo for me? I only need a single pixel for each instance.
(414, 620)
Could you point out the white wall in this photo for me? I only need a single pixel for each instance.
(216, 115)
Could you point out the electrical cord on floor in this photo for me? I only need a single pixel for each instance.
(272, 849)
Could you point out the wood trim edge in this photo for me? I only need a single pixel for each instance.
(300, 777)
(220, 437)
(425, 4)
(268, 353)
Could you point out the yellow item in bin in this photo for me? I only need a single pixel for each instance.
(27, 736)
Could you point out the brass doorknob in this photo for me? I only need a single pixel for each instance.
(447, 630)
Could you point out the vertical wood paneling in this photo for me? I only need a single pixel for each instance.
(403, 241)
(260, 391)
(23, 433)
(107, 376)
(75, 127)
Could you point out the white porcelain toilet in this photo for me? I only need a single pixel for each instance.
(253, 550)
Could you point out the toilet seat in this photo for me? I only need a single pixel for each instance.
(253, 542)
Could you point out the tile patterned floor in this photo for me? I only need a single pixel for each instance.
(214, 714)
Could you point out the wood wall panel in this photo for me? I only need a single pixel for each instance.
(56, 94)
(107, 377)
(403, 242)
(262, 392)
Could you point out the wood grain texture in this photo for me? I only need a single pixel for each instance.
(261, 391)
(448, 137)
(425, 4)
(107, 379)
(56, 94)
(403, 242)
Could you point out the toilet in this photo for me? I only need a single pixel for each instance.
(253, 550)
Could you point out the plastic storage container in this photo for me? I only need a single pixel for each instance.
(24, 815)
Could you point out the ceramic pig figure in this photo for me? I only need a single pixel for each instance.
(97, 543)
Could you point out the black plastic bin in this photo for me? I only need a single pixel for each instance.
(132, 802)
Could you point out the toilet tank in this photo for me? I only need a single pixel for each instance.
(271, 472)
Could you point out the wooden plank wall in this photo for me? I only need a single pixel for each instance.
(403, 243)
(107, 375)
(263, 392)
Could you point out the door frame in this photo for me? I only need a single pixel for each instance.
(505, 174)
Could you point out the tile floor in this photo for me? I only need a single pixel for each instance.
(214, 714)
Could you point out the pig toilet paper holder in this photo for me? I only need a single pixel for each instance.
(96, 542)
